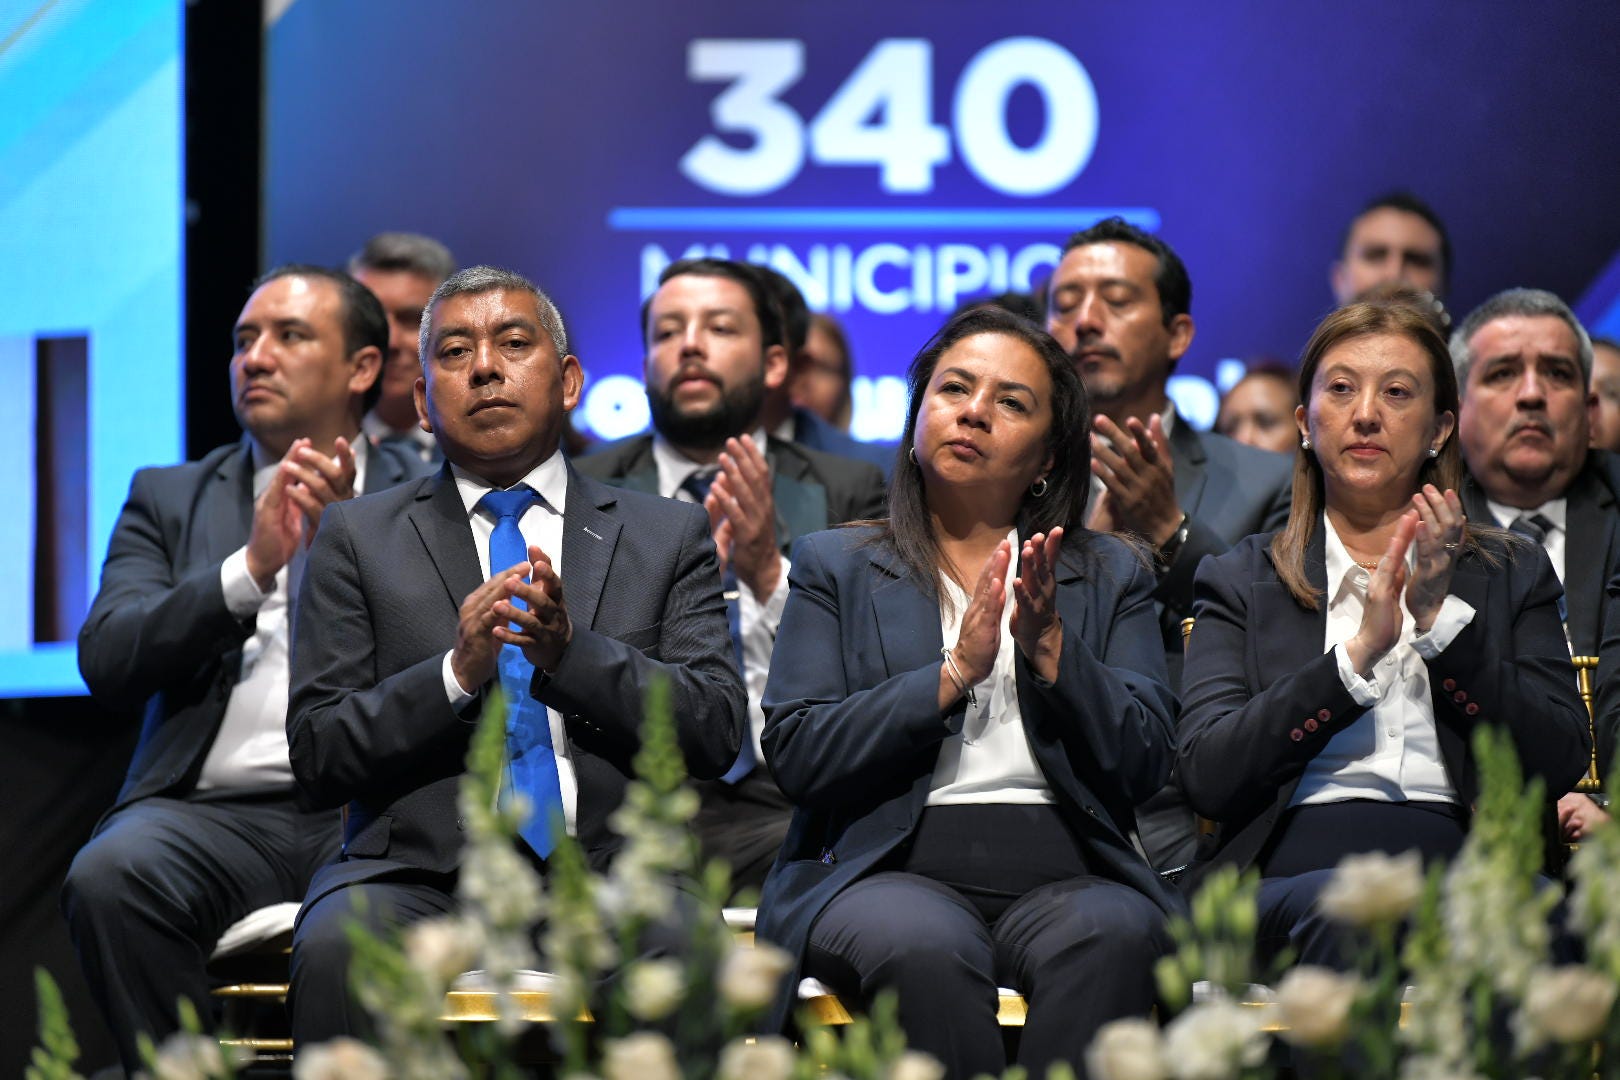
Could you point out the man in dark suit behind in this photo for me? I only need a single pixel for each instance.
(412, 611)
(1524, 365)
(192, 620)
(714, 349)
(1120, 302)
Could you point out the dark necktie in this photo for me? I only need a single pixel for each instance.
(1537, 527)
(532, 758)
(697, 485)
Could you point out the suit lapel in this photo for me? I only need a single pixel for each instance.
(907, 619)
(1071, 601)
(440, 520)
(589, 536)
(1189, 455)
(227, 510)
(1587, 542)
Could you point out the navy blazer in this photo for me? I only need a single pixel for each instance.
(368, 720)
(159, 635)
(1262, 698)
(853, 728)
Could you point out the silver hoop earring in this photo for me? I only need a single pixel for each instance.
(1305, 443)
(1038, 488)
(1434, 451)
(913, 454)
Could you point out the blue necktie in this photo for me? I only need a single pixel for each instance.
(697, 485)
(533, 760)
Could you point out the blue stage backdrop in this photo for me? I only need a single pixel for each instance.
(895, 158)
(90, 333)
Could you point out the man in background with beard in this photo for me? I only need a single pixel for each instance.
(714, 348)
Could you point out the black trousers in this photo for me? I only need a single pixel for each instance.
(148, 897)
(1079, 947)
(1311, 841)
(744, 824)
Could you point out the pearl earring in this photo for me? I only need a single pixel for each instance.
(1434, 451)
(1305, 443)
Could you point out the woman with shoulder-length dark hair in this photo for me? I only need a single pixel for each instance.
(1338, 668)
(964, 704)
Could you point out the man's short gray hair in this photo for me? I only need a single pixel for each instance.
(1510, 302)
(411, 253)
(482, 279)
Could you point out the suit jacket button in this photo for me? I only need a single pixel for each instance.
(1461, 695)
(1449, 685)
(1297, 735)
(1472, 708)
(1324, 715)
(1310, 723)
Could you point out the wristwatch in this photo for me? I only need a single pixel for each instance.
(1167, 551)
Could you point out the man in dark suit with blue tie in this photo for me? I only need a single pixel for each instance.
(1120, 302)
(715, 348)
(191, 622)
(507, 569)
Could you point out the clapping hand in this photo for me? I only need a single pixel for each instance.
(1036, 626)
(1381, 617)
(974, 654)
(742, 516)
(1438, 540)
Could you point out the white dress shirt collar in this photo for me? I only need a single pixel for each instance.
(549, 478)
(674, 467)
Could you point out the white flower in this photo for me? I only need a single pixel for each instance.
(1213, 1041)
(646, 1055)
(916, 1065)
(499, 881)
(341, 1059)
(444, 948)
(1127, 1050)
(1566, 1004)
(184, 1056)
(750, 976)
(1373, 889)
(1315, 1005)
(652, 988)
(770, 1057)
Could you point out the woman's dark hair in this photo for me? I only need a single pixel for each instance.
(1446, 471)
(910, 530)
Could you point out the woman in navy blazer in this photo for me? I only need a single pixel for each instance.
(964, 814)
(1338, 668)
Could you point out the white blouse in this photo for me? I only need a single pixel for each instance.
(1391, 753)
(989, 760)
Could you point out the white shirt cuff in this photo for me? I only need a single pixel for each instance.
(757, 617)
(1455, 613)
(243, 598)
(452, 689)
(1364, 691)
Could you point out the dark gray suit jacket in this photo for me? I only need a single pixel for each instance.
(1228, 491)
(369, 722)
(1592, 548)
(158, 632)
(812, 490)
